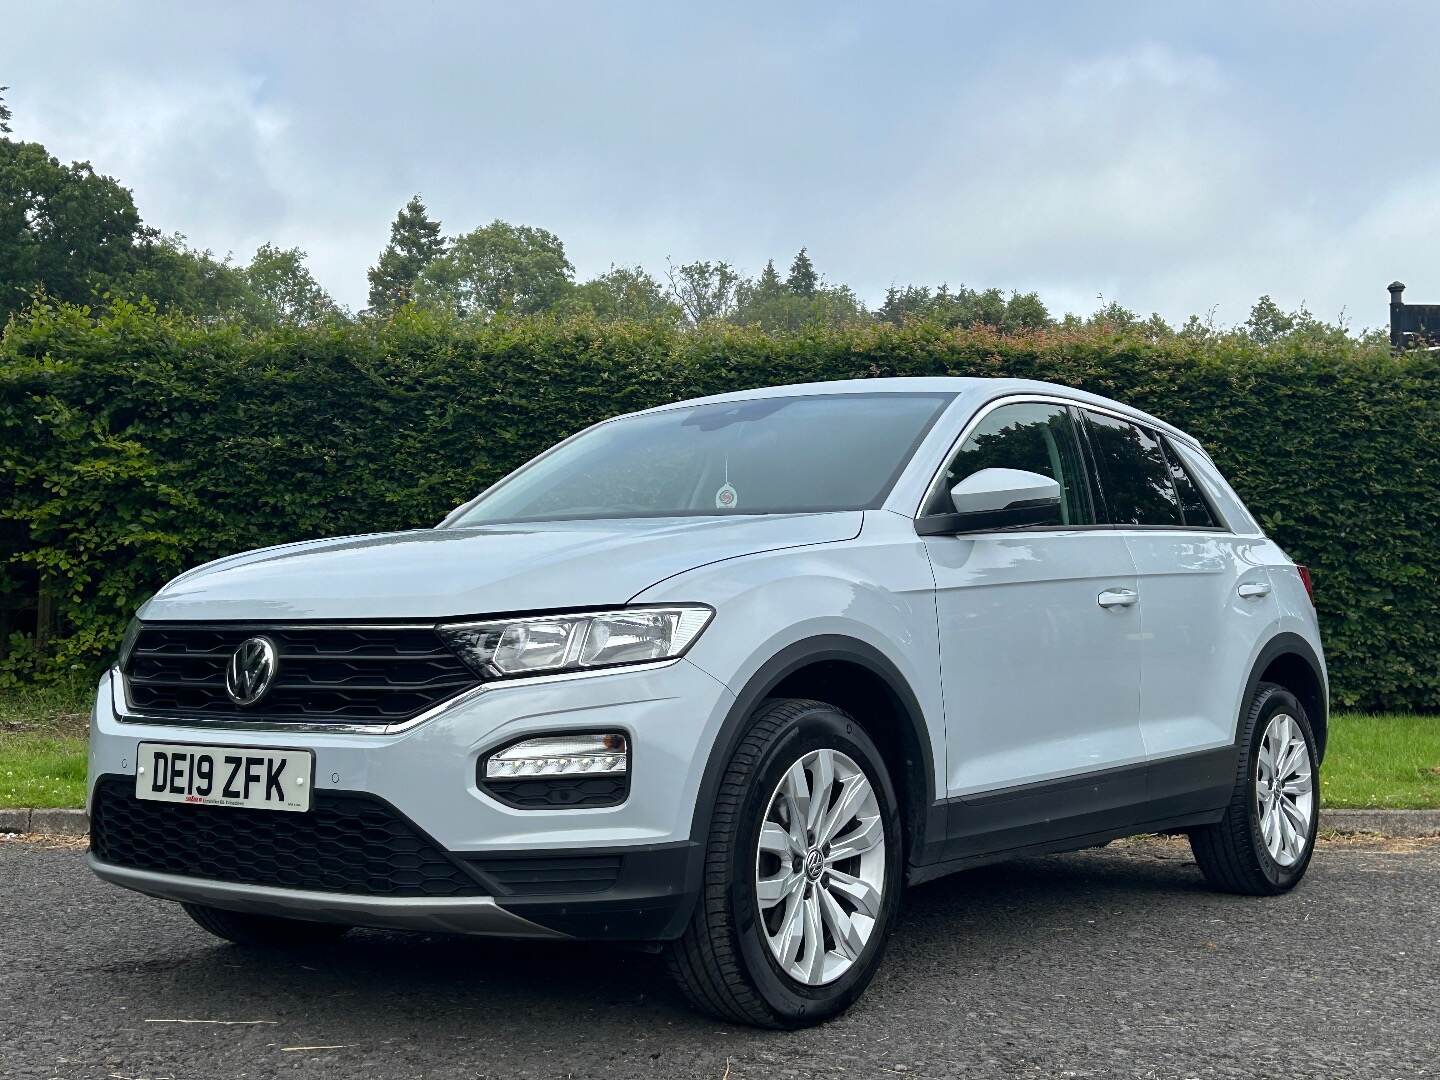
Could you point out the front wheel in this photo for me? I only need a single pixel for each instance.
(802, 873)
(1263, 844)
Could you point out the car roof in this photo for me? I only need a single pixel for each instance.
(976, 391)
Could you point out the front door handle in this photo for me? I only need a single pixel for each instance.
(1253, 590)
(1117, 598)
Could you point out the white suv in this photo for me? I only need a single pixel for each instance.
(726, 675)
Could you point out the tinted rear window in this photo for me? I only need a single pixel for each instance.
(1134, 474)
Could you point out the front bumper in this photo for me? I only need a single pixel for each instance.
(670, 713)
(447, 914)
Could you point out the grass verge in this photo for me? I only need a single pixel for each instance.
(40, 770)
(1374, 762)
(1389, 762)
(42, 745)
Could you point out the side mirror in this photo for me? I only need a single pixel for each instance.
(998, 499)
(990, 490)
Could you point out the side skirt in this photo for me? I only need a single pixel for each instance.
(1082, 811)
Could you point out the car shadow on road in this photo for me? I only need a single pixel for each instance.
(539, 990)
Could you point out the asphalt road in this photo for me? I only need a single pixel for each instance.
(1106, 963)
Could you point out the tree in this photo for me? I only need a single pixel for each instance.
(622, 293)
(768, 285)
(802, 299)
(283, 291)
(415, 242)
(828, 305)
(1113, 315)
(964, 307)
(177, 277)
(4, 112)
(802, 280)
(499, 268)
(1267, 323)
(64, 229)
(1025, 311)
(703, 290)
(77, 236)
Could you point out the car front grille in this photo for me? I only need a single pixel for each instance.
(323, 674)
(349, 842)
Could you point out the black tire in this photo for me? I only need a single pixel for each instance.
(266, 931)
(1232, 853)
(721, 962)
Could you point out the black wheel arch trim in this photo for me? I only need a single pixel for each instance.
(926, 816)
(1290, 644)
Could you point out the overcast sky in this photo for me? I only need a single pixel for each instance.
(1176, 158)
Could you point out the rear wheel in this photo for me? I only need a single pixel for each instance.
(802, 873)
(264, 930)
(1263, 844)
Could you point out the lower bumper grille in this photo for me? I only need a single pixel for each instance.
(349, 842)
(543, 875)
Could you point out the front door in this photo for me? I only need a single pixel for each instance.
(1040, 649)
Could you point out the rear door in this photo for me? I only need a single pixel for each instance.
(1040, 646)
(1203, 603)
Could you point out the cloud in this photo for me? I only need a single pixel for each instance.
(1171, 158)
(207, 155)
(1150, 63)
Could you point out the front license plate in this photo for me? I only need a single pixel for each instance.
(247, 776)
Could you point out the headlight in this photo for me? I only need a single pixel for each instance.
(127, 644)
(551, 643)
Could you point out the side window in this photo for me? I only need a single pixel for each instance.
(1036, 437)
(1192, 503)
(1134, 475)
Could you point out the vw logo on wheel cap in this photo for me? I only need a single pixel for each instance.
(251, 671)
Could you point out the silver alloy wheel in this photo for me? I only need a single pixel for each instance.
(820, 867)
(1284, 790)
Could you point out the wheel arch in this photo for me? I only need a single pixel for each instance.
(1289, 660)
(857, 677)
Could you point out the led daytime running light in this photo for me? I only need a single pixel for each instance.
(565, 755)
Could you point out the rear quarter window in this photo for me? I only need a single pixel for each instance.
(1193, 504)
(1232, 512)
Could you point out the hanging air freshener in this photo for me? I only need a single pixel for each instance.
(727, 497)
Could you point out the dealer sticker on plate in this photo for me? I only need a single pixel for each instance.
(248, 776)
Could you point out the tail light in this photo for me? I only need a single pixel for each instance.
(1307, 581)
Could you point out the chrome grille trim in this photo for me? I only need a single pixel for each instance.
(330, 676)
(126, 713)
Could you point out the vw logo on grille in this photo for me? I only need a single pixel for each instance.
(251, 671)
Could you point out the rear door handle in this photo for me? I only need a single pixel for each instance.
(1117, 598)
(1253, 590)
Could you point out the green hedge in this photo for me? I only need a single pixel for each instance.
(135, 446)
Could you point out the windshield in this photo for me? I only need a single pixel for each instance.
(781, 455)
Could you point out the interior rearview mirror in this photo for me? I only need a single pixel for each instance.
(1000, 499)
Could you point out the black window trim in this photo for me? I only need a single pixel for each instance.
(937, 524)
